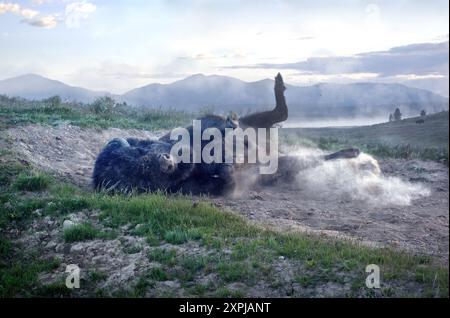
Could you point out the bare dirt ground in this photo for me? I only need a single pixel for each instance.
(406, 207)
(420, 227)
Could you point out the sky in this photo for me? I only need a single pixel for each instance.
(120, 45)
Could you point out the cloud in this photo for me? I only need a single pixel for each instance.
(417, 59)
(17, 9)
(29, 14)
(130, 71)
(41, 2)
(49, 21)
(77, 12)
(305, 38)
(119, 77)
(30, 17)
(209, 56)
(9, 7)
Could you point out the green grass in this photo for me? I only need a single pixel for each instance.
(236, 272)
(80, 232)
(133, 249)
(176, 236)
(97, 276)
(230, 247)
(20, 277)
(164, 216)
(32, 182)
(157, 274)
(17, 111)
(5, 248)
(86, 232)
(224, 292)
(163, 256)
(53, 290)
(194, 263)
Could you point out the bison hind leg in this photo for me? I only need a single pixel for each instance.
(344, 154)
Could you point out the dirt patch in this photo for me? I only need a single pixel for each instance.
(419, 224)
(69, 151)
(109, 257)
(114, 266)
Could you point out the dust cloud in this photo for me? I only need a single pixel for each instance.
(358, 179)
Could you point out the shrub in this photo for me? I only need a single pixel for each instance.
(104, 106)
(54, 101)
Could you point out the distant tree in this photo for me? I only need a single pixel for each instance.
(104, 105)
(391, 117)
(423, 113)
(54, 101)
(397, 115)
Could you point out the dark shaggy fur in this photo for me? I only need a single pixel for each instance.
(146, 165)
(126, 165)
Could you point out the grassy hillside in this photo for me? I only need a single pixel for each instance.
(403, 139)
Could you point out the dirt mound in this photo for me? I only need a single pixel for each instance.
(69, 151)
(420, 224)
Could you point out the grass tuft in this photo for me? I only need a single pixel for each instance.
(85, 232)
(32, 182)
(163, 256)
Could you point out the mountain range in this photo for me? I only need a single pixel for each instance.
(221, 94)
(32, 86)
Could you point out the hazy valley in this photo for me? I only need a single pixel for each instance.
(221, 94)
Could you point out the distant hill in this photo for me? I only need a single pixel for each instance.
(363, 99)
(222, 94)
(32, 86)
(200, 91)
(433, 132)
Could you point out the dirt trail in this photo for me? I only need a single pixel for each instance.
(420, 227)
